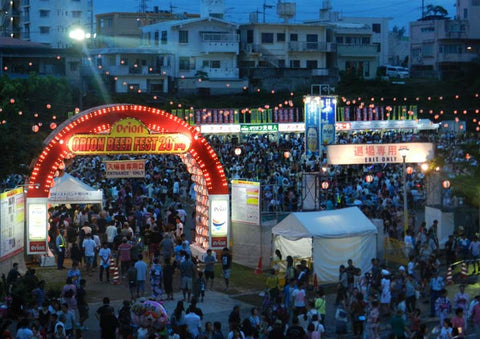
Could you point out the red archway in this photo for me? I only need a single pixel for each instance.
(200, 158)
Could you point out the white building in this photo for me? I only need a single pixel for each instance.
(49, 21)
(200, 55)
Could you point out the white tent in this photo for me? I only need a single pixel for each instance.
(330, 238)
(70, 190)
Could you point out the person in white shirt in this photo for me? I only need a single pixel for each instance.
(111, 232)
(178, 228)
(193, 322)
(105, 254)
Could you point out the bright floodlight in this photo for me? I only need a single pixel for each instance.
(77, 34)
(403, 151)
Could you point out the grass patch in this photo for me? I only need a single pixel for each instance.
(242, 279)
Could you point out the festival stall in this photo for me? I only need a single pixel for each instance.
(70, 190)
(329, 239)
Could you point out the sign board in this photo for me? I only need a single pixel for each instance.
(420, 124)
(37, 225)
(220, 129)
(219, 221)
(125, 169)
(259, 128)
(12, 217)
(378, 153)
(129, 136)
(246, 201)
(319, 123)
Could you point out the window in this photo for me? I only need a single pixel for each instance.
(26, 31)
(211, 64)
(184, 63)
(44, 13)
(294, 37)
(164, 37)
(156, 38)
(267, 38)
(475, 3)
(281, 63)
(250, 36)
(44, 30)
(365, 41)
(312, 41)
(377, 28)
(427, 50)
(339, 39)
(427, 29)
(183, 37)
(465, 13)
(280, 37)
(73, 66)
(294, 63)
(76, 14)
(311, 64)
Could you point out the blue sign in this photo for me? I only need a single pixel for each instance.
(319, 123)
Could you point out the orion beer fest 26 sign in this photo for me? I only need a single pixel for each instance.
(319, 122)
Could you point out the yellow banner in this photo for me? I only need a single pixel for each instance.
(129, 136)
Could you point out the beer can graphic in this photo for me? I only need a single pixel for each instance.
(312, 139)
(328, 134)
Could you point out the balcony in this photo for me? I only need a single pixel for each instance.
(451, 57)
(303, 46)
(344, 50)
(219, 42)
(132, 70)
(221, 73)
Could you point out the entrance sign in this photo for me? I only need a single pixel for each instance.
(37, 226)
(12, 217)
(246, 201)
(128, 136)
(129, 129)
(125, 169)
(378, 153)
(219, 216)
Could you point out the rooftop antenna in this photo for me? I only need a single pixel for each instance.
(142, 6)
(171, 8)
(265, 6)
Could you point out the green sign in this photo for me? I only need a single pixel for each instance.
(255, 128)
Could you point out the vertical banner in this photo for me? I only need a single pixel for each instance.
(219, 221)
(37, 222)
(327, 119)
(312, 124)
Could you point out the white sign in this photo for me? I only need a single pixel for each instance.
(220, 129)
(421, 124)
(125, 169)
(378, 153)
(37, 225)
(246, 201)
(12, 216)
(219, 221)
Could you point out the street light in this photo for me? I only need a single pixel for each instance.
(403, 152)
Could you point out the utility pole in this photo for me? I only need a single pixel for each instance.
(423, 9)
(142, 6)
(265, 6)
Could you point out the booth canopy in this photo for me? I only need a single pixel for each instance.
(329, 238)
(70, 190)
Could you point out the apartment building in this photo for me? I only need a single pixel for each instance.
(10, 18)
(441, 47)
(49, 22)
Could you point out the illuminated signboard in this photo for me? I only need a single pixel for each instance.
(12, 216)
(129, 136)
(319, 122)
(219, 221)
(125, 169)
(378, 153)
(258, 128)
(37, 226)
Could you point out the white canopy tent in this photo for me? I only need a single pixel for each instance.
(70, 190)
(329, 238)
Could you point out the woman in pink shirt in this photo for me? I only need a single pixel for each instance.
(458, 322)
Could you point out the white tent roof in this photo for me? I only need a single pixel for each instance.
(325, 224)
(70, 190)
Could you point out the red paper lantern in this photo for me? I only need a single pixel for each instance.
(409, 170)
(325, 185)
(446, 184)
(369, 178)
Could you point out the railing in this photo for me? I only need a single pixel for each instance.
(304, 46)
(220, 37)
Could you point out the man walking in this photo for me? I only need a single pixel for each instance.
(105, 254)
(187, 271)
(61, 248)
(226, 266)
(209, 261)
(89, 247)
(141, 268)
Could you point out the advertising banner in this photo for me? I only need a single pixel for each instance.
(258, 128)
(246, 201)
(379, 153)
(129, 136)
(12, 217)
(219, 221)
(37, 225)
(125, 169)
(320, 118)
